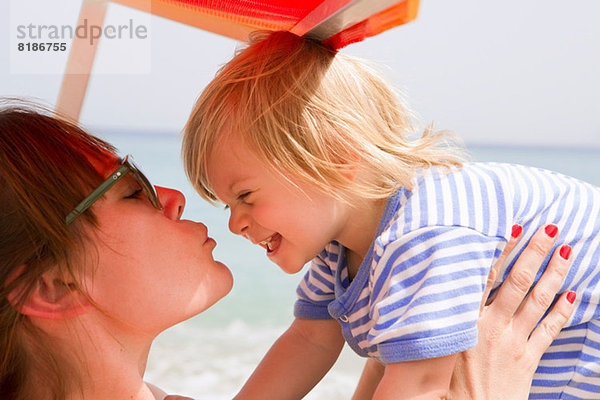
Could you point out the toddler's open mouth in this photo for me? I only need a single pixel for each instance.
(272, 243)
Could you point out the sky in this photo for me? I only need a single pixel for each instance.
(512, 72)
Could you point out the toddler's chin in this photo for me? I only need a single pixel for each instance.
(290, 268)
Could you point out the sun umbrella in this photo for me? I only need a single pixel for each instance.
(337, 22)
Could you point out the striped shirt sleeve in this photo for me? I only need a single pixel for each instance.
(316, 290)
(426, 291)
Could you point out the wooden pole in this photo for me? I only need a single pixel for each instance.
(80, 62)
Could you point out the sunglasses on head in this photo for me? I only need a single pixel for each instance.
(127, 166)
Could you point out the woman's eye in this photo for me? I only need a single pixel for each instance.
(135, 194)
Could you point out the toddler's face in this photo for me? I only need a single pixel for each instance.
(291, 220)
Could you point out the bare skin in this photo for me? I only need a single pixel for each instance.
(510, 344)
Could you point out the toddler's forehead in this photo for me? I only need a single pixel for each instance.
(236, 145)
(233, 153)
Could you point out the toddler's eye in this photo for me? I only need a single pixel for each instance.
(243, 197)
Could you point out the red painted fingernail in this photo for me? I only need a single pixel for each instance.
(551, 230)
(565, 251)
(516, 230)
(571, 296)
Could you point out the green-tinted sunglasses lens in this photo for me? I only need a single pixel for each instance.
(147, 187)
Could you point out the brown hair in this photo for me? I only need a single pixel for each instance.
(311, 112)
(46, 169)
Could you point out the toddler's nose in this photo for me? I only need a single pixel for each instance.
(238, 222)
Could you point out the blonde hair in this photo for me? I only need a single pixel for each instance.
(314, 114)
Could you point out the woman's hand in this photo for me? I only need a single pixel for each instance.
(510, 345)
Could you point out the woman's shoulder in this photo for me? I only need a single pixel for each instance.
(158, 393)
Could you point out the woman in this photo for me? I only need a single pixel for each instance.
(83, 299)
(88, 252)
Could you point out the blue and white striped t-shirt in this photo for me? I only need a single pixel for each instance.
(417, 292)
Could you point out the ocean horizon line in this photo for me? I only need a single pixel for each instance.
(528, 146)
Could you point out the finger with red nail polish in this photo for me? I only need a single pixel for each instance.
(516, 231)
(551, 230)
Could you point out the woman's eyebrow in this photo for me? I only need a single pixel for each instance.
(125, 184)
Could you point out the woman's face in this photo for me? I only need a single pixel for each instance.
(152, 269)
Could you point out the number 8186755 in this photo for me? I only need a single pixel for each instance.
(35, 46)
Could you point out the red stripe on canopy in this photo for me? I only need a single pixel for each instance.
(237, 18)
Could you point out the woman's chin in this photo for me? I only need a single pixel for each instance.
(217, 292)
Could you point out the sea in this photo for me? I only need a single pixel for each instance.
(210, 356)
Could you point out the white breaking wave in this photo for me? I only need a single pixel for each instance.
(212, 363)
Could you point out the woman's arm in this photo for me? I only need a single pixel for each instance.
(510, 345)
(505, 351)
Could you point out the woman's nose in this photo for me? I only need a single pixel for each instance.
(238, 221)
(172, 202)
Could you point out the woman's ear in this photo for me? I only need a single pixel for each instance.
(52, 297)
